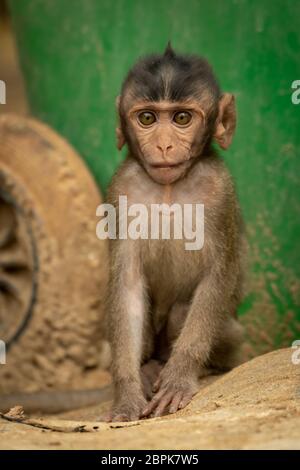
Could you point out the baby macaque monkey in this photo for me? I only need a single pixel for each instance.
(172, 312)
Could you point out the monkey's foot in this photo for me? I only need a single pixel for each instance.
(171, 396)
(149, 375)
(130, 411)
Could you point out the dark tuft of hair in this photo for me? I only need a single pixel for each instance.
(169, 52)
(171, 76)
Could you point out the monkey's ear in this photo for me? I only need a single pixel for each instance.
(119, 133)
(120, 138)
(226, 121)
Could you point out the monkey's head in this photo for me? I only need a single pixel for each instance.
(170, 109)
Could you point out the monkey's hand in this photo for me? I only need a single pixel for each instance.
(129, 409)
(173, 391)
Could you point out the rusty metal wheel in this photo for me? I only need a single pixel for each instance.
(53, 269)
(18, 267)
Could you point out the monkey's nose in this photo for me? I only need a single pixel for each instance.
(164, 148)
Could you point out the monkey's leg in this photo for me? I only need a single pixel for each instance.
(150, 372)
(178, 381)
(227, 354)
(127, 324)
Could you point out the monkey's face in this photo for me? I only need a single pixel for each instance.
(170, 109)
(165, 136)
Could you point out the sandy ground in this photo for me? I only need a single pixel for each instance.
(255, 406)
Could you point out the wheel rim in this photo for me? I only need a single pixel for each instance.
(17, 270)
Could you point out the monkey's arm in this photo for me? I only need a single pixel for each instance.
(125, 326)
(54, 401)
(204, 326)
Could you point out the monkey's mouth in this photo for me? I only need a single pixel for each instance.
(166, 173)
(166, 165)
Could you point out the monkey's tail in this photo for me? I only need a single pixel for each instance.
(54, 401)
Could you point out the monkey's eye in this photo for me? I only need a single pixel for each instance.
(182, 118)
(146, 118)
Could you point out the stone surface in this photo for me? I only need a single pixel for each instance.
(255, 406)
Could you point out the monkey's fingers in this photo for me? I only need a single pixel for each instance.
(167, 401)
(110, 417)
(157, 384)
(153, 404)
(172, 402)
(187, 398)
(121, 418)
(176, 401)
(163, 404)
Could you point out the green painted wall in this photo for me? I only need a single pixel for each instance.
(75, 54)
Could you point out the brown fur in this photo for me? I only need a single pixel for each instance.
(175, 306)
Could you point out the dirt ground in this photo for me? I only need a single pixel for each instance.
(255, 406)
